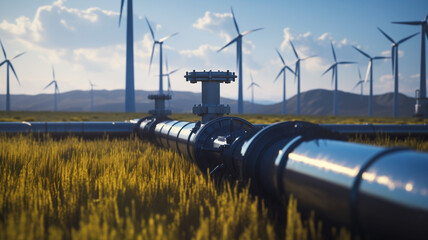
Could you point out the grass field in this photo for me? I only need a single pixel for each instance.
(126, 189)
(255, 119)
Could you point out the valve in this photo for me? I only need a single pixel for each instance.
(210, 108)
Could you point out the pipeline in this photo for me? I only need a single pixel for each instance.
(125, 129)
(376, 192)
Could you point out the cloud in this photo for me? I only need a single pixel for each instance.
(57, 25)
(417, 76)
(387, 53)
(201, 51)
(211, 21)
(386, 78)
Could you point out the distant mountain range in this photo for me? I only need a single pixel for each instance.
(314, 102)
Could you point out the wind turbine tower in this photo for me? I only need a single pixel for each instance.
(394, 58)
(92, 95)
(238, 40)
(167, 74)
(283, 70)
(360, 82)
(160, 97)
(422, 109)
(370, 71)
(252, 85)
(129, 85)
(8, 63)
(333, 68)
(297, 74)
(56, 89)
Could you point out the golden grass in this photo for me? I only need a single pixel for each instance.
(119, 189)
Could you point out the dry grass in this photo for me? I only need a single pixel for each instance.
(120, 189)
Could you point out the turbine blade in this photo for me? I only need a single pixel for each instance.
(386, 35)
(251, 76)
(279, 54)
(250, 31)
(361, 51)
(333, 74)
(234, 20)
(169, 83)
(173, 71)
(393, 57)
(358, 83)
(53, 73)
(380, 57)
(257, 85)
(409, 23)
(225, 46)
(359, 74)
(17, 56)
(309, 57)
(334, 54)
(279, 74)
(2, 48)
(121, 9)
(48, 85)
(151, 57)
(407, 38)
(369, 66)
(13, 70)
(168, 37)
(291, 70)
(150, 27)
(3, 62)
(166, 63)
(328, 69)
(294, 49)
(346, 62)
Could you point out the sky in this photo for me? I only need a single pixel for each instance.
(82, 40)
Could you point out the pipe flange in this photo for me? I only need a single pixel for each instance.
(229, 128)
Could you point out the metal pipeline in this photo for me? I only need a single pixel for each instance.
(378, 192)
(62, 129)
(124, 129)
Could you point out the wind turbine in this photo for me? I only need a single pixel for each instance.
(424, 33)
(56, 89)
(252, 85)
(167, 74)
(283, 71)
(129, 85)
(333, 68)
(92, 95)
(360, 82)
(370, 71)
(238, 40)
(297, 74)
(9, 65)
(394, 58)
(160, 42)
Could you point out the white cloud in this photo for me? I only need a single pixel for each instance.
(287, 37)
(201, 51)
(325, 36)
(211, 21)
(417, 76)
(386, 78)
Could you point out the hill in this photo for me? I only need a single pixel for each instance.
(314, 102)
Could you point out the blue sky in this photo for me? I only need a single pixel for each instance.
(82, 40)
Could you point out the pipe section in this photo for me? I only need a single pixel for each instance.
(376, 192)
(62, 129)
